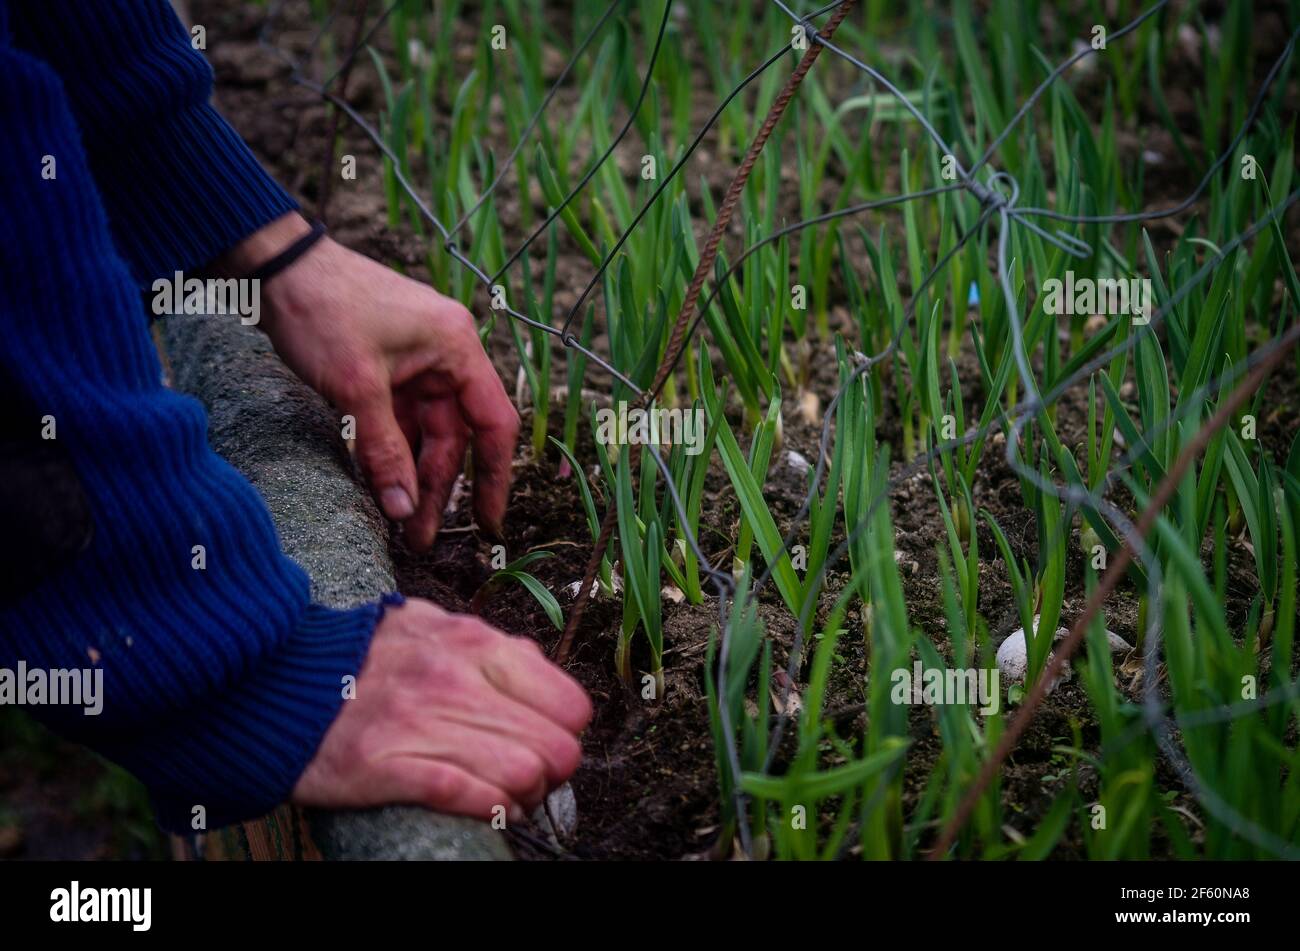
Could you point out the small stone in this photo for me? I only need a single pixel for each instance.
(797, 461)
(418, 54)
(1013, 653)
(571, 590)
(459, 495)
(558, 817)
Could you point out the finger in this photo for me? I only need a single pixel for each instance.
(521, 671)
(495, 426)
(444, 439)
(442, 786)
(503, 761)
(407, 407)
(384, 453)
(495, 712)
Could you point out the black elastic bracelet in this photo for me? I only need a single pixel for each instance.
(290, 254)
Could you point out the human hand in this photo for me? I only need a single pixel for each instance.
(451, 714)
(401, 358)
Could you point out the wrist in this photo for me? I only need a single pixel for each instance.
(267, 246)
(260, 246)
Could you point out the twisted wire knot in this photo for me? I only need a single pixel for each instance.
(991, 196)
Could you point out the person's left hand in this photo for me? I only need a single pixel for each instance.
(401, 358)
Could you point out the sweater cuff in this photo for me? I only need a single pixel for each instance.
(195, 207)
(239, 756)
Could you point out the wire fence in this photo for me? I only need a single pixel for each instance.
(997, 195)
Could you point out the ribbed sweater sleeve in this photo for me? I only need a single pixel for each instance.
(179, 184)
(219, 681)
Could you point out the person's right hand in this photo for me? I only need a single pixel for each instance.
(452, 714)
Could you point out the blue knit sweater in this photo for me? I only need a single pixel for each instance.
(218, 684)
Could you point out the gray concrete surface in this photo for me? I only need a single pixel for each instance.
(398, 832)
(288, 442)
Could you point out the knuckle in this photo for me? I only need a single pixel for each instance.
(382, 451)
(512, 422)
(566, 755)
(459, 317)
(386, 441)
(522, 770)
(359, 381)
(443, 785)
(503, 413)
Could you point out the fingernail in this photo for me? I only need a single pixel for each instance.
(396, 504)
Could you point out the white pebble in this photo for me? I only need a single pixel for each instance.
(1013, 654)
(558, 818)
(797, 461)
